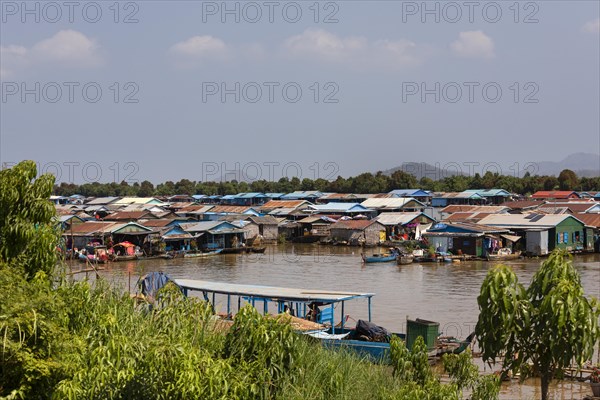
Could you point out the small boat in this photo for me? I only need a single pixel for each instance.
(233, 250)
(257, 249)
(375, 258)
(403, 259)
(503, 254)
(124, 251)
(97, 254)
(366, 338)
(208, 254)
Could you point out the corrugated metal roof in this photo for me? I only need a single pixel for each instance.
(488, 192)
(230, 209)
(101, 201)
(89, 228)
(121, 215)
(574, 207)
(136, 200)
(206, 226)
(457, 195)
(558, 194)
(470, 226)
(589, 219)
(400, 218)
(338, 207)
(409, 192)
(521, 204)
(271, 204)
(155, 223)
(472, 208)
(355, 224)
(389, 202)
(270, 292)
(525, 220)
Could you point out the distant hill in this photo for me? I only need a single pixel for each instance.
(583, 164)
(422, 169)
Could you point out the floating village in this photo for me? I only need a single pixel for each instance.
(409, 224)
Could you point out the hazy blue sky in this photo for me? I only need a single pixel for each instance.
(382, 82)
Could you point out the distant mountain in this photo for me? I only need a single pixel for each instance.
(422, 169)
(583, 164)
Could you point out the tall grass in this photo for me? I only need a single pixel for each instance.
(84, 341)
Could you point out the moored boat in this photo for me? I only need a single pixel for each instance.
(376, 258)
(366, 338)
(503, 254)
(403, 259)
(208, 254)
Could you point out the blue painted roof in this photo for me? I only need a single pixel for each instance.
(249, 195)
(199, 196)
(409, 192)
(297, 195)
(339, 207)
(229, 197)
(488, 192)
(274, 195)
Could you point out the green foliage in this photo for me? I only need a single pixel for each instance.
(550, 324)
(28, 236)
(465, 375)
(266, 345)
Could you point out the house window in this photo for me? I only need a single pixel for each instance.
(559, 237)
(566, 237)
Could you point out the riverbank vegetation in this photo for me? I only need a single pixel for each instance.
(78, 340)
(363, 183)
(541, 330)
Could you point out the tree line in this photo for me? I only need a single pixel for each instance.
(363, 183)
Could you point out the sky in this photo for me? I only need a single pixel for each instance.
(207, 90)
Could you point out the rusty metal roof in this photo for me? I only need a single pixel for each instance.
(355, 224)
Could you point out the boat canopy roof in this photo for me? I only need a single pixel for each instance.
(271, 292)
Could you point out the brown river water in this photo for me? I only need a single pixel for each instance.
(445, 292)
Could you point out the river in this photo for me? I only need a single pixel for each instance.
(445, 293)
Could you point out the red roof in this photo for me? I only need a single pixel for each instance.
(554, 194)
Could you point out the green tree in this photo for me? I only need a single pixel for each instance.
(567, 180)
(28, 233)
(549, 325)
(402, 180)
(146, 189)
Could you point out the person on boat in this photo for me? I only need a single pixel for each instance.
(313, 313)
(288, 310)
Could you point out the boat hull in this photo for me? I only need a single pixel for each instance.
(503, 257)
(402, 260)
(379, 259)
(197, 255)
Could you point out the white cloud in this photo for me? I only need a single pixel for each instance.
(473, 44)
(592, 26)
(200, 49)
(67, 48)
(357, 51)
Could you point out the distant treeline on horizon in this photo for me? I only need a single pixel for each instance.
(363, 183)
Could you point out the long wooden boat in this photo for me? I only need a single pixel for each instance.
(377, 258)
(299, 302)
(127, 257)
(208, 254)
(405, 259)
(259, 250)
(233, 250)
(503, 256)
